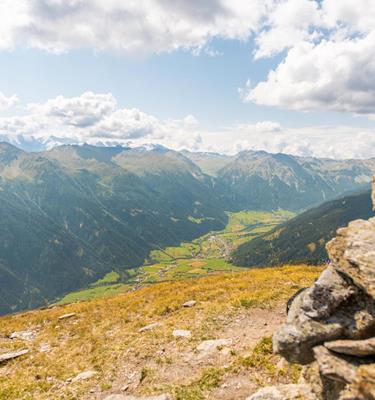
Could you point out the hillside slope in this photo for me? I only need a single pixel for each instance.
(303, 238)
(72, 214)
(103, 336)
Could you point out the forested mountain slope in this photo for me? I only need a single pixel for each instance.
(303, 238)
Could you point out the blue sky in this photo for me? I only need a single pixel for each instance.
(200, 70)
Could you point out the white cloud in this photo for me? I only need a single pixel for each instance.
(329, 64)
(336, 76)
(96, 118)
(81, 111)
(142, 26)
(286, 25)
(7, 102)
(338, 142)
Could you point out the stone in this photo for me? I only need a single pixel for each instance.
(326, 295)
(189, 303)
(359, 348)
(66, 316)
(84, 376)
(127, 397)
(150, 327)
(284, 392)
(10, 356)
(352, 252)
(44, 348)
(296, 342)
(209, 346)
(181, 333)
(23, 335)
(334, 367)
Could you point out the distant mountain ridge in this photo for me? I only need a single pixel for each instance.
(261, 180)
(73, 213)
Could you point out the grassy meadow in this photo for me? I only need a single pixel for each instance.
(103, 336)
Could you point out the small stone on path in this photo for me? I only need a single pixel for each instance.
(15, 354)
(181, 333)
(209, 346)
(66, 316)
(150, 327)
(24, 335)
(189, 303)
(84, 375)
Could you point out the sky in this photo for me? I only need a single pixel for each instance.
(292, 76)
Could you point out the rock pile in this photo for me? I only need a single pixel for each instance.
(330, 327)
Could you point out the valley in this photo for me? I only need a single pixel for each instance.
(206, 255)
(73, 214)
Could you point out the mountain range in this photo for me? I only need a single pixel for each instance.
(73, 213)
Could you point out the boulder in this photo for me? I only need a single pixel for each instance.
(333, 308)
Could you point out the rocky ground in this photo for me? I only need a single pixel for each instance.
(330, 327)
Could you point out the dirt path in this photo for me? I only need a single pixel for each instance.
(184, 364)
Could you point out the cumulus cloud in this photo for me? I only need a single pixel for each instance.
(81, 111)
(329, 64)
(7, 102)
(146, 26)
(96, 118)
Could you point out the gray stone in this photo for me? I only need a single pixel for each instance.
(150, 327)
(84, 376)
(181, 333)
(359, 348)
(334, 367)
(284, 392)
(10, 356)
(190, 303)
(66, 316)
(23, 335)
(295, 342)
(326, 295)
(209, 346)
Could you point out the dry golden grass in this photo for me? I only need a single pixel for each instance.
(104, 332)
